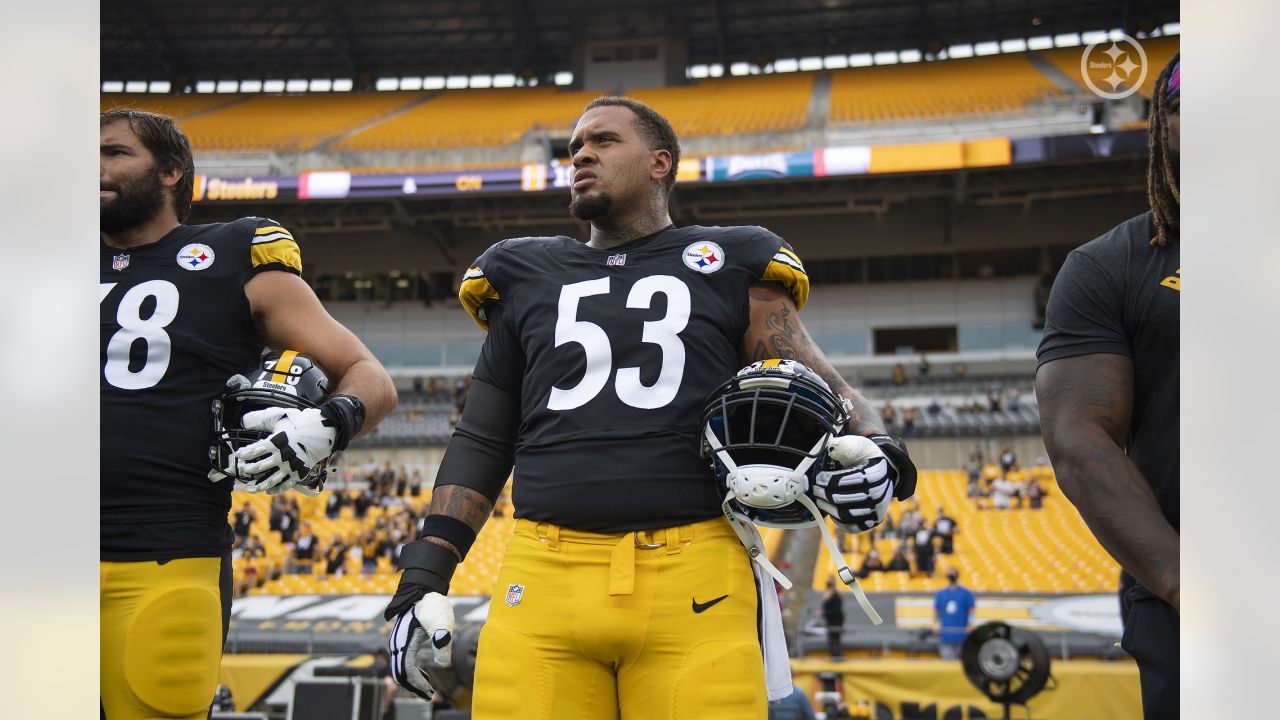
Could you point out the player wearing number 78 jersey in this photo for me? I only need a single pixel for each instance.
(624, 591)
(183, 308)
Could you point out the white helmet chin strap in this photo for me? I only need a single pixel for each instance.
(750, 537)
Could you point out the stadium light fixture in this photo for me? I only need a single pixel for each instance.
(986, 48)
(785, 65)
(205, 86)
(1066, 40)
(384, 84)
(835, 62)
(159, 86)
(504, 81)
(960, 51)
(135, 86)
(320, 85)
(564, 77)
(887, 57)
(112, 86)
(295, 86)
(810, 63)
(1013, 46)
(1172, 28)
(1040, 42)
(227, 86)
(481, 81)
(455, 82)
(861, 60)
(1093, 36)
(696, 72)
(341, 85)
(434, 82)
(910, 56)
(273, 86)
(410, 83)
(250, 86)
(739, 68)
(1115, 34)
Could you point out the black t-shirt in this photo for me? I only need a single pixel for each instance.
(612, 354)
(175, 325)
(1119, 295)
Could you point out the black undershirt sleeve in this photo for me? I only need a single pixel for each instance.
(482, 450)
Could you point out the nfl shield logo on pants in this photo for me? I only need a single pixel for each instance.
(514, 594)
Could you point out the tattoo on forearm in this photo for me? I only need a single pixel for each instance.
(787, 338)
(457, 501)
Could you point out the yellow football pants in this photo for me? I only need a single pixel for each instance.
(652, 625)
(161, 637)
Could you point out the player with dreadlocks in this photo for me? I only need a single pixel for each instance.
(1107, 383)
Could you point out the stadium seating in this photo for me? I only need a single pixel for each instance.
(180, 107)
(290, 123)
(1159, 52)
(932, 90)
(1005, 551)
(472, 118)
(732, 106)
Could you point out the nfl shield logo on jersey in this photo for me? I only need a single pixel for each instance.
(705, 257)
(515, 592)
(119, 262)
(616, 260)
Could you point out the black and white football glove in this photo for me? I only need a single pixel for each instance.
(429, 624)
(300, 440)
(868, 471)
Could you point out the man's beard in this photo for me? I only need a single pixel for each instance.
(591, 206)
(137, 201)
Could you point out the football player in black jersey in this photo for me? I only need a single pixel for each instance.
(624, 591)
(1107, 383)
(183, 308)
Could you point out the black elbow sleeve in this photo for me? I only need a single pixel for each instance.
(482, 449)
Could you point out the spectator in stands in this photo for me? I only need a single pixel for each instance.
(833, 617)
(899, 374)
(935, 405)
(953, 608)
(333, 504)
(1002, 492)
(924, 367)
(305, 550)
(888, 414)
(362, 504)
(924, 551)
(909, 416)
(872, 563)
(995, 399)
(899, 562)
(795, 706)
(1007, 459)
(959, 370)
(335, 556)
(244, 519)
(910, 520)
(944, 529)
(1034, 493)
(973, 468)
(415, 483)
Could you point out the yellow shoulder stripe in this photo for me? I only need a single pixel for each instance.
(474, 292)
(267, 229)
(796, 282)
(282, 251)
(790, 254)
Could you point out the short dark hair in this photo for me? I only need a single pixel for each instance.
(655, 128)
(161, 136)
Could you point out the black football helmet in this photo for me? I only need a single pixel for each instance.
(282, 378)
(766, 433)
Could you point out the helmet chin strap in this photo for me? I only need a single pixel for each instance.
(842, 567)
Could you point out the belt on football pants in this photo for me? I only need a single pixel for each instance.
(622, 562)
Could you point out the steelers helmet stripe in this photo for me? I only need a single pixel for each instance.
(281, 374)
(474, 292)
(771, 363)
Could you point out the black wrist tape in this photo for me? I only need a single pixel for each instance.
(346, 412)
(429, 565)
(451, 530)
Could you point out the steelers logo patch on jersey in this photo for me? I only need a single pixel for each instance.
(704, 257)
(196, 256)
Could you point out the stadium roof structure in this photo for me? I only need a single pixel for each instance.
(183, 42)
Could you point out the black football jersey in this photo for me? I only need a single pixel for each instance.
(613, 354)
(175, 325)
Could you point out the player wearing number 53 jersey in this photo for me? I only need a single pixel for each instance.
(624, 592)
(183, 308)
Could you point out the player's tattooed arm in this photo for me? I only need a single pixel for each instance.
(1086, 405)
(461, 503)
(777, 332)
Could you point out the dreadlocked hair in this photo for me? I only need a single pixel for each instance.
(1162, 181)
